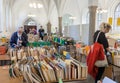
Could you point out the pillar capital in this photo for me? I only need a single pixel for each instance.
(93, 2)
(92, 7)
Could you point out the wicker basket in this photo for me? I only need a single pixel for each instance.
(117, 61)
(108, 72)
(116, 70)
(113, 71)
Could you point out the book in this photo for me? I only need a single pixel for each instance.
(83, 70)
(78, 68)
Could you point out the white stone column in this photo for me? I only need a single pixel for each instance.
(7, 13)
(1, 4)
(8, 17)
(10, 20)
(3, 16)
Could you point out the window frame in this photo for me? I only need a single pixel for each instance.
(115, 27)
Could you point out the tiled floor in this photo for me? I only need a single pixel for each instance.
(4, 76)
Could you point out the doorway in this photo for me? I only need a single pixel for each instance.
(29, 25)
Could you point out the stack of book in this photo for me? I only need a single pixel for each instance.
(37, 65)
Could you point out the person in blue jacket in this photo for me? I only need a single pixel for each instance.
(19, 38)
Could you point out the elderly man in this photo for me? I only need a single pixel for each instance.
(19, 38)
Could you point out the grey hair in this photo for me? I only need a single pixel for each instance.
(20, 28)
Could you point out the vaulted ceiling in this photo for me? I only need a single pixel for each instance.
(52, 9)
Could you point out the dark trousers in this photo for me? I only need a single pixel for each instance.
(41, 37)
(100, 73)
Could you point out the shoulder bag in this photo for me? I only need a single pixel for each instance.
(101, 63)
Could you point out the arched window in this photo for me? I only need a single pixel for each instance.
(116, 15)
(67, 20)
(87, 18)
(98, 19)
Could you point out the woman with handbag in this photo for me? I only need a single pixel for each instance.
(96, 59)
(102, 39)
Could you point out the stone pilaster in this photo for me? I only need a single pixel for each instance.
(49, 28)
(92, 21)
(60, 25)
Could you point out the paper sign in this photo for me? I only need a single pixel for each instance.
(108, 80)
(110, 20)
(78, 45)
(118, 21)
(65, 53)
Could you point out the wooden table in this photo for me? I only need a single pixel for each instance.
(4, 60)
(4, 57)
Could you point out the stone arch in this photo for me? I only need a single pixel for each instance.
(30, 23)
(28, 20)
(112, 7)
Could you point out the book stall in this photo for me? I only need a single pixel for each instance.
(56, 60)
(116, 64)
(114, 42)
(45, 64)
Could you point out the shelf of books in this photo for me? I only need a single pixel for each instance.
(46, 65)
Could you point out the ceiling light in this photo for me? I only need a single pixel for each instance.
(40, 5)
(35, 5)
(72, 18)
(100, 10)
(31, 15)
(31, 5)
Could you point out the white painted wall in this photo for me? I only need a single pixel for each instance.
(77, 8)
(0, 15)
(72, 31)
(21, 14)
(54, 18)
(72, 8)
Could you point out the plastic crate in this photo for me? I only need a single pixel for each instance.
(116, 62)
(3, 50)
(108, 72)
